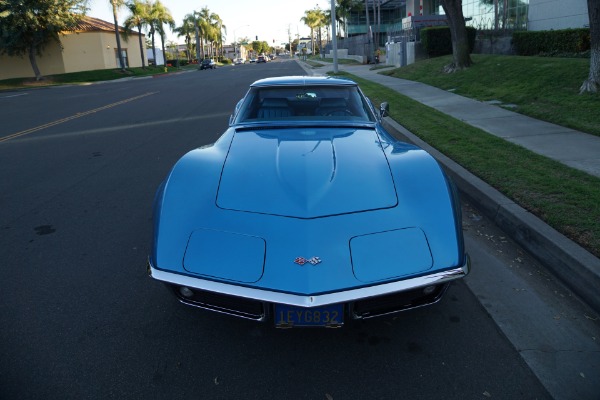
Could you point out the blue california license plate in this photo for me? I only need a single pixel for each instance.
(287, 316)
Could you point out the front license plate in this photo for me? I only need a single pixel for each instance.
(287, 316)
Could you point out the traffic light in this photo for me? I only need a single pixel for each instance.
(257, 38)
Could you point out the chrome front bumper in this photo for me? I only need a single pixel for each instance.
(345, 296)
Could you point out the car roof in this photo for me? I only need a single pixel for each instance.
(303, 81)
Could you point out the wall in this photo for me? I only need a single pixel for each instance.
(50, 63)
(84, 51)
(343, 54)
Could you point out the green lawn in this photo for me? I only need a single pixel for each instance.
(542, 87)
(567, 199)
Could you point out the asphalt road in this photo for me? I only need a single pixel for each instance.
(80, 319)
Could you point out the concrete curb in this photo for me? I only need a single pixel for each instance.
(572, 264)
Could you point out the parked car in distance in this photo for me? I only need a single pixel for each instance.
(261, 59)
(307, 212)
(252, 60)
(208, 63)
(238, 61)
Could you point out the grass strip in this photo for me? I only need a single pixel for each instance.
(565, 198)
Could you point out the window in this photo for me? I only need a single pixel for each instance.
(308, 103)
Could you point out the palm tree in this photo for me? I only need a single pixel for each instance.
(116, 4)
(139, 19)
(160, 16)
(151, 17)
(321, 22)
(204, 27)
(311, 19)
(218, 28)
(187, 29)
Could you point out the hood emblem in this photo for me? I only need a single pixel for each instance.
(312, 260)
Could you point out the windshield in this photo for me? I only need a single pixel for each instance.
(304, 103)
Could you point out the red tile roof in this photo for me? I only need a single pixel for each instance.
(90, 24)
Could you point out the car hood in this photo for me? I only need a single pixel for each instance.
(306, 172)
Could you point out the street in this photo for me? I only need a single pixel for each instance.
(81, 319)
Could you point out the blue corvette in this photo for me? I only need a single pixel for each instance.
(306, 212)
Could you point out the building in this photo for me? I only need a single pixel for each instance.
(235, 51)
(91, 46)
(389, 17)
(390, 22)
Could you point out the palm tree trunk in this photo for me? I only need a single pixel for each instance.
(162, 43)
(118, 36)
(153, 46)
(198, 44)
(141, 46)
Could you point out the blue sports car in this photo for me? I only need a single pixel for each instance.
(306, 212)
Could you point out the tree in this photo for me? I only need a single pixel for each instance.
(320, 23)
(312, 20)
(346, 7)
(219, 29)
(260, 47)
(369, 39)
(186, 30)
(458, 32)
(592, 83)
(204, 27)
(116, 4)
(340, 14)
(138, 19)
(27, 27)
(160, 15)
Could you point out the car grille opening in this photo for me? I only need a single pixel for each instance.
(396, 302)
(225, 304)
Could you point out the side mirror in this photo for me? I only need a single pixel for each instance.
(237, 109)
(384, 109)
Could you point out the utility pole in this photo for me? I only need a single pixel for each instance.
(334, 36)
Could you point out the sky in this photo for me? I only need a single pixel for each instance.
(267, 19)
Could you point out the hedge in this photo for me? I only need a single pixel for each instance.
(437, 41)
(566, 41)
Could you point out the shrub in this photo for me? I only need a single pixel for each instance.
(561, 42)
(437, 41)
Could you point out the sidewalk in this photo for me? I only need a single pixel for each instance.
(573, 148)
(575, 266)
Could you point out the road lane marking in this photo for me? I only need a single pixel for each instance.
(129, 127)
(14, 95)
(72, 117)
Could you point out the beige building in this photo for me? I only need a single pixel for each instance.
(92, 46)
